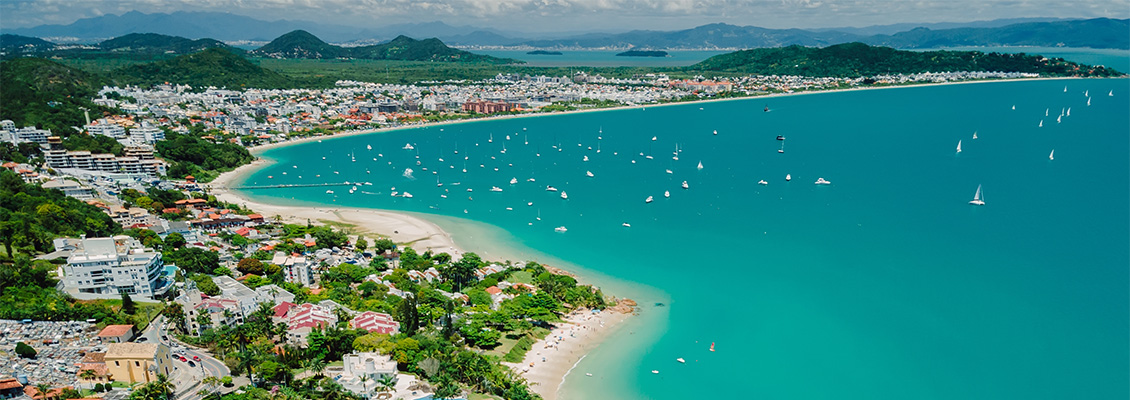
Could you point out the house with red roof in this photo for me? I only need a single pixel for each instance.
(375, 322)
(116, 334)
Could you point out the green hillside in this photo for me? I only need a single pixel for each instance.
(17, 43)
(858, 59)
(46, 94)
(211, 67)
(299, 44)
(302, 44)
(157, 43)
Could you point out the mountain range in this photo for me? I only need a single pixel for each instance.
(1097, 33)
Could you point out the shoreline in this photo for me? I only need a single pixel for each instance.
(545, 377)
(552, 359)
(270, 146)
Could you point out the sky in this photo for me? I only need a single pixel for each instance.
(579, 15)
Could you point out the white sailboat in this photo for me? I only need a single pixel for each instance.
(513, 181)
(978, 198)
(715, 132)
(700, 165)
(564, 196)
(1041, 124)
(667, 194)
(1088, 101)
(589, 174)
(1087, 93)
(974, 135)
(685, 185)
(1068, 114)
(649, 199)
(1013, 107)
(788, 177)
(1046, 111)
(958, 146)
(1111, 94)
(370, 147)
(1052, 155)
(491, 140)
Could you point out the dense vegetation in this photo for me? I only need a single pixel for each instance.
(31, 216)
(157, 43)
(46, 94)
(211, 67)
(191, 155)
(858, 59)
(302, 44)
(23, 44)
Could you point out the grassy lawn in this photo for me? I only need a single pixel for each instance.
(521, 277)
(145, 312)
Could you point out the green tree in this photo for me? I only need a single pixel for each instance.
(25, 351)
(362, 244)
(408, 315)
(128, 306)
(175, 240)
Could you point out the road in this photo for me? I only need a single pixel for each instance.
(186, 378)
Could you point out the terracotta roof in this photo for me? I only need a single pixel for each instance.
(94, 358)
(99, 368)
(131, 350)
(115, 330)
(9, 383)
(493, 290)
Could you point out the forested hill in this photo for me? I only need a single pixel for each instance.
(21, 44)
(157, 43)
(858, 59)
(302, 44)
(44, 93)
(211, 67)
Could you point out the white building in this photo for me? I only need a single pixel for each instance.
(146, 134)
(107, 267)
(364, 371)
(70, 188)
(296, 268)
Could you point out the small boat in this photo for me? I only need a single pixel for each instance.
(655, 371)
(685, 185)
(821, 181)
(491, 140)
(716, 132)
(370, 147)
(586, 158)
(762, 182)
(588, 374)
(406, 195)
(531, 180)
(270, 177)
(1087, 93)
(1068, 112)
(550, 189)
(650, 158)
(1046, 111)
(507, 137)
(589, 174)
(1014, 107)
(974, 135)
(513, 181)
(779, 137)
(667, 193)
(711, 346)
(788, 177)
(408, 146)
(978, 198)
(766, 108)
(1041, 124)
(329, 192)
(626, 225)
(681, 360)
(700, 165)
(1111, 94)
(1088, 101)
(649, 199)
(1065, 89)
(669, 172)
(1052, 155)
(1059, 119)
(564, 196)
(509, 208)
(560, 229)
(495, 189)
(323, 158)
(958, 146)
(654, 138)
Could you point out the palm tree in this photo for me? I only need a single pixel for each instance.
(162, 387)
(87, 374)
(43, 390)
(212, 382)
(386, 383)
(318, 366)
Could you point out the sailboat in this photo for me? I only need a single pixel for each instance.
(711, 346)
(715, 132)
(788, 177)
(974, 135)
(700, 165)
(1088, 101)
(1041, 123)
(667, 193)
(1068, 112)
(370, 147)
(1065, 89)
(958, 146)
(1087, 93)
(564, 196)
(588, 174)
(1014, 107)
(491, 140)
(782, 149)
(649, 199)
(978, 199)
(685, 185)
(1052, 155)
(1046, 111)
(1111, 94)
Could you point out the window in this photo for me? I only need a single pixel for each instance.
(117, 364)
(137, 363)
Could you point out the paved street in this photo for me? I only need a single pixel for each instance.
(187, 379)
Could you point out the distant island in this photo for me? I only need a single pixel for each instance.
(643, 53)
(544, 53)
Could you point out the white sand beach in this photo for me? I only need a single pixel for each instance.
(401, 228)
(551, 359)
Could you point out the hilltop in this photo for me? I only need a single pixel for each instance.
(302, 44)
(858, 59)
(211, 67)
(157, 43)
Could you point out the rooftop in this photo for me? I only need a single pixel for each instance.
(131, 350)
(115, 330)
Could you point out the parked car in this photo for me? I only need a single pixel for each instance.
(196, 358)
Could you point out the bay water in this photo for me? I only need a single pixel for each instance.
(885, 284)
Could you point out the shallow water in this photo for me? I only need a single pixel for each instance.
(884, 284)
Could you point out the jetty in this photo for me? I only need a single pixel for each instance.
(291, 185)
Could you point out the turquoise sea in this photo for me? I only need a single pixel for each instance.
(604, 58)
(885, 284)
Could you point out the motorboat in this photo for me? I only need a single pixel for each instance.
(495, 189)
(822, 181)
(550, 189)
(564, 196)
(762, 182)
(685, 185)
(649, 199)
(561, 229)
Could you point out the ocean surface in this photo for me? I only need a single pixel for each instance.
(885, 284)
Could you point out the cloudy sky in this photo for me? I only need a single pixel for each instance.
(579, 15)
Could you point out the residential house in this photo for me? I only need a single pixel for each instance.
(116, 334)
(375, 322)
(362, 372)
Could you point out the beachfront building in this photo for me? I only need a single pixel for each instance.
(363, 372)
(138, 362)
(108, 267)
